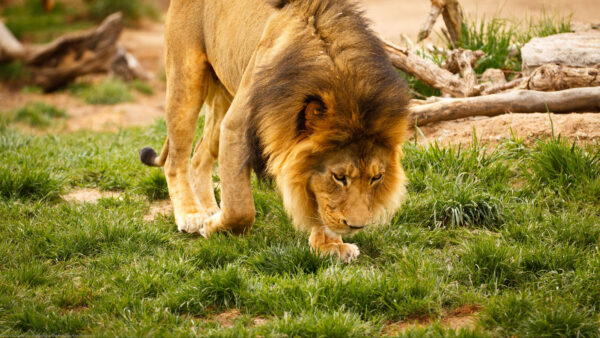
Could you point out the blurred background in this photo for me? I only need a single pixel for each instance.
(104, 102)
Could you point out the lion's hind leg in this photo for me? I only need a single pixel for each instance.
(328, 243)
(206, 152)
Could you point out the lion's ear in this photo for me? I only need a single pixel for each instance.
(278, 3)
(313, 112)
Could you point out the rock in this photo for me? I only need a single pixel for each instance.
(493, 76)
(569, 49)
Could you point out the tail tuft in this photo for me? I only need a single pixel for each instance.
(148, 156)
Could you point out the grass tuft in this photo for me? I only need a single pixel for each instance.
(218, 289)
(38, 114)
(29, 183)
(154, 186)
(561, 165)
(505, 313)
(489, 263)
(107, 91)
(321, 324)
(560, 320)
(289, 260)
(141, 87)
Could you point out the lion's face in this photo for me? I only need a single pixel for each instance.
(345, 187)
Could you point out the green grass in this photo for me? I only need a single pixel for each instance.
(36, 114)
(110, 90)
(28, 21)
(133, 10)
(513, 230)
(141, 87)
(107, 91)
(502, 39)
(13, 71)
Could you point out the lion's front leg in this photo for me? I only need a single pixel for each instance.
(187, 74)
(237, 205)
(329, 243)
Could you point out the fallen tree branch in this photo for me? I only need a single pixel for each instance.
(76, 54)
(503, 87)
(71, 55)
(518, 101)
(426, 71)
(551, 77)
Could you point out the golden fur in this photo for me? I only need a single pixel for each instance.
(300, 90)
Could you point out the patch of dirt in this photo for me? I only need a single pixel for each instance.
(158, 208)
(89, 195)
(461, 317)
(583, 128)
(227, 319)
(76, 309)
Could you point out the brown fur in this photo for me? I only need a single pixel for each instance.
(312, 97)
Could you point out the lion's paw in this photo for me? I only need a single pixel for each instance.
(348, 252)
(212, 211)
(190, 223)
(211, 224)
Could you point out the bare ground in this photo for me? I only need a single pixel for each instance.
(462, 317)
(89, 195)
(389, 18)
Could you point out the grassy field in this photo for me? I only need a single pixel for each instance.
(511, 232)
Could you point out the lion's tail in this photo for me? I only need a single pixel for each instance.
(150, 158)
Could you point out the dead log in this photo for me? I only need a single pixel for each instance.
(426, 71)
(453, 17)
(518, 101)
(61, 61)
(76, 54)
(552, 77)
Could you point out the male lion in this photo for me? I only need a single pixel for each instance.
(300, 90)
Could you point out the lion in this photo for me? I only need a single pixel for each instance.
(300, 91)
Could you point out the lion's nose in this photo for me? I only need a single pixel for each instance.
(353, 226)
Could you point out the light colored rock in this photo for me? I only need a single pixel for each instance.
(570, 49)
(493, 76)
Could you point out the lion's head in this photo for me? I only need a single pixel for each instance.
(329, 119)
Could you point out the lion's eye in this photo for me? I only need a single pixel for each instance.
(340, 178)
(376, 178)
